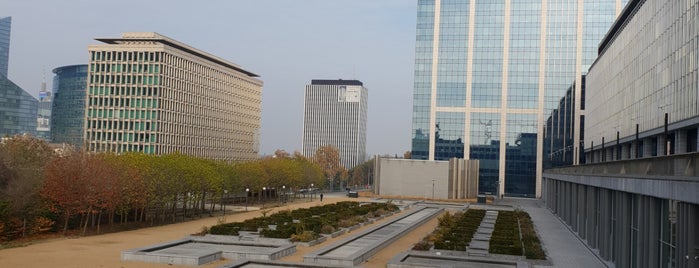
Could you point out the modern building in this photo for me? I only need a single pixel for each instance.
(18, 110)
(335, 113)
(68, 105)
(635, 201)
(5, 28)
(487, 73)
(43, 120)
(558, 132)
(150, 93)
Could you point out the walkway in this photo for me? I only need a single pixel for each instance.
(562, 246)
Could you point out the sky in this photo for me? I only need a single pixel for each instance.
(287, 42)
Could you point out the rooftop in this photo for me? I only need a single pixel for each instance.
(129, 37)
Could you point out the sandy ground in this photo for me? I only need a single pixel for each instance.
(104, 250)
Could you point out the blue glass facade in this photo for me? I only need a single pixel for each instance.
(68, 106)
(18, 110)
(486, 73)
(5, 27)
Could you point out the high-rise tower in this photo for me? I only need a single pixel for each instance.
(5, 27)
(68, 105)
(152, 94)
(335, 113)
(486, 73)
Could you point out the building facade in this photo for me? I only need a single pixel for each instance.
(43, 120)
(558, 132)
(635, 200)
(487, 73)
(5, 29)
(152, 94)
(68, 118)
(18, 110)
(335, 113)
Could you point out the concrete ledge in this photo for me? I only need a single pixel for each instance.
(198, 250)
(413, 259)
(368, 250)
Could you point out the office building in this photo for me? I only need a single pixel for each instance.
(152, 94)
(488, 73)
(68, 105)
(635, 201)
(5, 28)
(18, 110)
(43, 120)
(335, 113)
(558, 132)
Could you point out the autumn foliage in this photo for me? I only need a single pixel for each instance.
(42, 191)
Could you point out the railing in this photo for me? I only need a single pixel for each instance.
(674, 167)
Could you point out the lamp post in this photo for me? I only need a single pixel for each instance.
(310, 192)
(263, 196)
(247, 192)
(432, 189)
(225, 191)
(283, 196)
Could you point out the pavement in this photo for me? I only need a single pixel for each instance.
(562, 246)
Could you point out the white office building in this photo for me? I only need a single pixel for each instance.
(335, 113)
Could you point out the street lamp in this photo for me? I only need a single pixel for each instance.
(247, 192)
(310, 192)
(225, 191)
(264, 197)
(432, 189)
(283, 193)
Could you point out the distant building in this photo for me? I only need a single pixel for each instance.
(150, 93)
(490, 71)
(635, 201)
(558, 132)
(43, 120)
(68, 117)
(5, 28)
(335, 113)
(18, 110)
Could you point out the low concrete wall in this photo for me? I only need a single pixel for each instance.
(370, 249)
(453, 179)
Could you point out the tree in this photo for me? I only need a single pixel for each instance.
(407, 155)
(360, 174)
(22, 163)
(328, 158)
(279, 153)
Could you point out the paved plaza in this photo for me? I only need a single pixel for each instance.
(563, 248)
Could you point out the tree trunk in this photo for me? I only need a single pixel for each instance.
(65, 224)
(87, 219)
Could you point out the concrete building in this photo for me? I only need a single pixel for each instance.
(68, 118)
(335, 113)
(488, 72)
(453, 179)
(150, 93)
(18, 110)
(5, 29)
(635, 202)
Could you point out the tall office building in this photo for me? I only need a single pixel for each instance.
(150, 93)
(5, 27)
(335, 113)
(68, 105)
(486, 74)
(18, 110)
(43, 120)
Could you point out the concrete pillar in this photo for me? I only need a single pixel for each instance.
(647, 147)
(680, 141)
(661, 146)
(634, 150)
(625, 151)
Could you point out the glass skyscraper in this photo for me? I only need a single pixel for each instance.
(5, 26)
(68, 105)
(488, 72)
(18, 110)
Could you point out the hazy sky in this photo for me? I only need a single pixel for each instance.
(286, 42)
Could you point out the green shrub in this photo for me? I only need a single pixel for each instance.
(306, 236)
